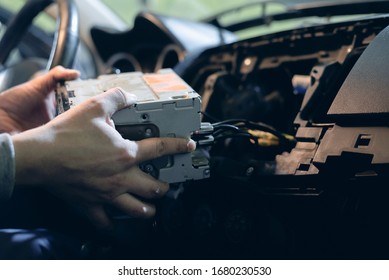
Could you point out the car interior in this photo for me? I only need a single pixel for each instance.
(299, 159)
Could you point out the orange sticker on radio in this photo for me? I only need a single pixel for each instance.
(165, 82)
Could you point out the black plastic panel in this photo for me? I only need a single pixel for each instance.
(365, 92)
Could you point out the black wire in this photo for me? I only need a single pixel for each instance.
(224, 127)
(253, 125)
(237, 125)
(247, 122)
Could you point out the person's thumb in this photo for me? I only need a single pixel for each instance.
(44, 82)
(116, 99)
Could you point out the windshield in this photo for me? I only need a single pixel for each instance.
(43, 20)
(224, 13)
(193, 10)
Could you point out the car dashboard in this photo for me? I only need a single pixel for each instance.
(155, 42)
(299, 162)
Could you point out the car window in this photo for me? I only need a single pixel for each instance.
(205, 9)
(193, 10)
(197, 10)
(12, 5)
(43, 20)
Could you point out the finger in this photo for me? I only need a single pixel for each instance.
(151, 148)
(143, 185)
(46, 82)
(115, 99)
(97, 216)
(133, 206)
(59, 73)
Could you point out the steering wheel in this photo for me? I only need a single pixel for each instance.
(64, 45)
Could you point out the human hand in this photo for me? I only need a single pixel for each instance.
(31, 104)
(80, 157)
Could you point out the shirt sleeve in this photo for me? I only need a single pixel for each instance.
(7, 166)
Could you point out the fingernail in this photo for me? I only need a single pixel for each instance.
(131, 98)
(191, 145)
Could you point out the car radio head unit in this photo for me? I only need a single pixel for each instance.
(166, 107)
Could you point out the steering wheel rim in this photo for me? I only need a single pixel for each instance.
(66, 37)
